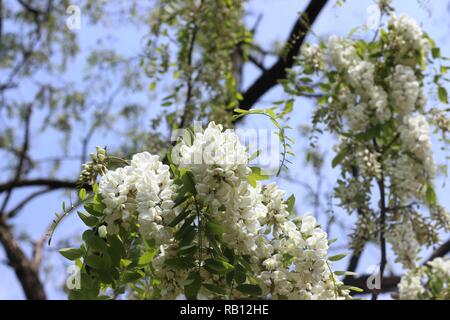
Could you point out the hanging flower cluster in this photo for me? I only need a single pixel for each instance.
(373, 99)
(431, 281)
(202, 226)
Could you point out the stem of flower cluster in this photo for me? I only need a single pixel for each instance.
(200, 243)
(382, 222)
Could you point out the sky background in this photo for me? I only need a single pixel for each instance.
(278, 16)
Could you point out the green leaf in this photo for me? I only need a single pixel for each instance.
(436, 52)
(180, 263)
(256, 176)
(254, 155)
(337, 257)
(239, 274)
(430, 195)
(345, 273)
(356, 289)
(88, 219)
(290, 204)
(131, 276)
(191, 290)
(256, 171)
(95, 262)
(442, 94)
(185, 228)
(93, 209)
(369, 134)
(188, 250)
(188, 182)
(251, 179)
(94, 242)
(125, 262)
(217, 266)
(288, 107)
(180, 199)
(71, 253)
(82, 193)
(214, 228)
(339, 157)
(250, 289)
(146, 258)
(188, 236)
(214, 288)
(183, 214)
(116, 244)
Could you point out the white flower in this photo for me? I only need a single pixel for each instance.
(408, 34)
(404, 243)
(410, 286)
(308, 224)
(361, 77)
(115, 189)
(313, 57)
(342, 53)
(404, 89)
(441, 267)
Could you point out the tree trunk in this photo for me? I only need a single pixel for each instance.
(25, 270)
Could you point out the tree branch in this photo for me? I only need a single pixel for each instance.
(22, 156)
(441, 251)
(55, 183)
(269, 78)
(25, 270)
(390, 282)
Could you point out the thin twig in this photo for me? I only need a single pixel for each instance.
(24, 151)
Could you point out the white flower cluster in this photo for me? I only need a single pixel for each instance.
(287, 257)
(219, 163)
(410, 174)
(376, 103)
(144, 186)
(368, 163)
(407, 33)
(365, 98)
(312, 56)
(410, 286)
(404, 89)
(440, 267)
(248, 213)
(404, 243)
(364, 103)
(307, 273)
(430, 281)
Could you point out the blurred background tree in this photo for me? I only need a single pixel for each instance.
(145, 69)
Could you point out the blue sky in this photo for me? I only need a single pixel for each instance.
(277, 18)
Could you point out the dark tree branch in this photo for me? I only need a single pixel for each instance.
(189, 84)
(22, 157)
(441, 251)
(60, 184)
(25, 270)
(257, 63)
(31, 9)
(270, 78)
(390, 282)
